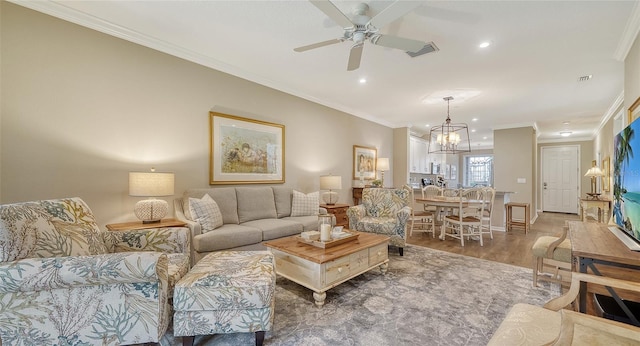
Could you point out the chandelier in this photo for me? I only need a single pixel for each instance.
(449, 138)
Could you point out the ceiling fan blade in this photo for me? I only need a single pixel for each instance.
(318, 45)
(354, 57)
(396, 42)
(393, 12)
(333, 12)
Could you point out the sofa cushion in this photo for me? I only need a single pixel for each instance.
(225, 197)
(275, 228)
(282, 195)
(309, 223)
(226, 237)
(206, 212)
(255, 203)
(305, 205)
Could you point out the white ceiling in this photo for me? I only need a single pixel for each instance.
(528, 76)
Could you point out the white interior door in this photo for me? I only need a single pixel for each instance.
(560, 177)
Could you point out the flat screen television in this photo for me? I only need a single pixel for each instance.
(626, 185)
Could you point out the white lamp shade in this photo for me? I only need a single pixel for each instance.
(151, 184)
(330, 182)
(383, 164)
(594, 172)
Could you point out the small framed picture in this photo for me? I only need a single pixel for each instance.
(364, 162)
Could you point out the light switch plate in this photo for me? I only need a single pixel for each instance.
(522, 180)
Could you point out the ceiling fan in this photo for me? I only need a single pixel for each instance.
(362, 28)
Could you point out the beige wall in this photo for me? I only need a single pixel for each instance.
(400, 156)
(80, 109)
(632, 74)
(514, 158)
(602, 149)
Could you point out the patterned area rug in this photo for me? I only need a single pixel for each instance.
(428, 297)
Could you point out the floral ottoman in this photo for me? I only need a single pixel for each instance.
(226, 292)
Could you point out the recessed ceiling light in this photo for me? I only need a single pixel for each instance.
(565, 123)
(427, 125)
(565, 133)
(485, 137)
(473, 130)
(363, 80)
(474, 119)
(485, 44)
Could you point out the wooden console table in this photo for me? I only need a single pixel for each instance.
(598, 251)
(603, 206)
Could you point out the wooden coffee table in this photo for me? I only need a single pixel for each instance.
(320, 269)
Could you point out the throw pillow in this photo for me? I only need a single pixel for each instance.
(206, 212)
(305, 205)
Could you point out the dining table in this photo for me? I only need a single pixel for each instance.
(444, 203)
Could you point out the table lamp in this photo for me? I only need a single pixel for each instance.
(330, 182)
(383, 165)
(594, 172)
(151, 184)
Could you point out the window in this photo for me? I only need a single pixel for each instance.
(478, 170)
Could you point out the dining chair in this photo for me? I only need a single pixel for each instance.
(471, 194)
(430, 191)
(465, 223)
(448, 192)
(422, 220)
(488, 211)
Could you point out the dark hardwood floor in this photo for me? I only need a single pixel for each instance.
(513, 247)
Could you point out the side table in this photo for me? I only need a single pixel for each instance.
(339, 211)
(357, 195)
(603, 206)
(128, 226)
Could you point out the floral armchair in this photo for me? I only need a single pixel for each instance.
(64, 282)
(383, 211)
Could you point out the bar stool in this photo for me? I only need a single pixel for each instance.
(512, 223)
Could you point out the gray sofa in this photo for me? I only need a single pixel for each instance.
(250, 216)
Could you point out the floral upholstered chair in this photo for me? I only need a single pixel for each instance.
(383, 211)
(64, 282)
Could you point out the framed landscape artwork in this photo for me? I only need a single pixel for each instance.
(364, 162)
(245, 151)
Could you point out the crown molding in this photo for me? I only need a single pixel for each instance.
(565, 140)
(516, 125)
(611, 112)
(629, 35)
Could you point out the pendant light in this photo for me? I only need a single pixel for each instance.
(449, 138)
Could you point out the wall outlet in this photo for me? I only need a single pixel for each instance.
(522, 180)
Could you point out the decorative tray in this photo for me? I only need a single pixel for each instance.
(331, 243)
